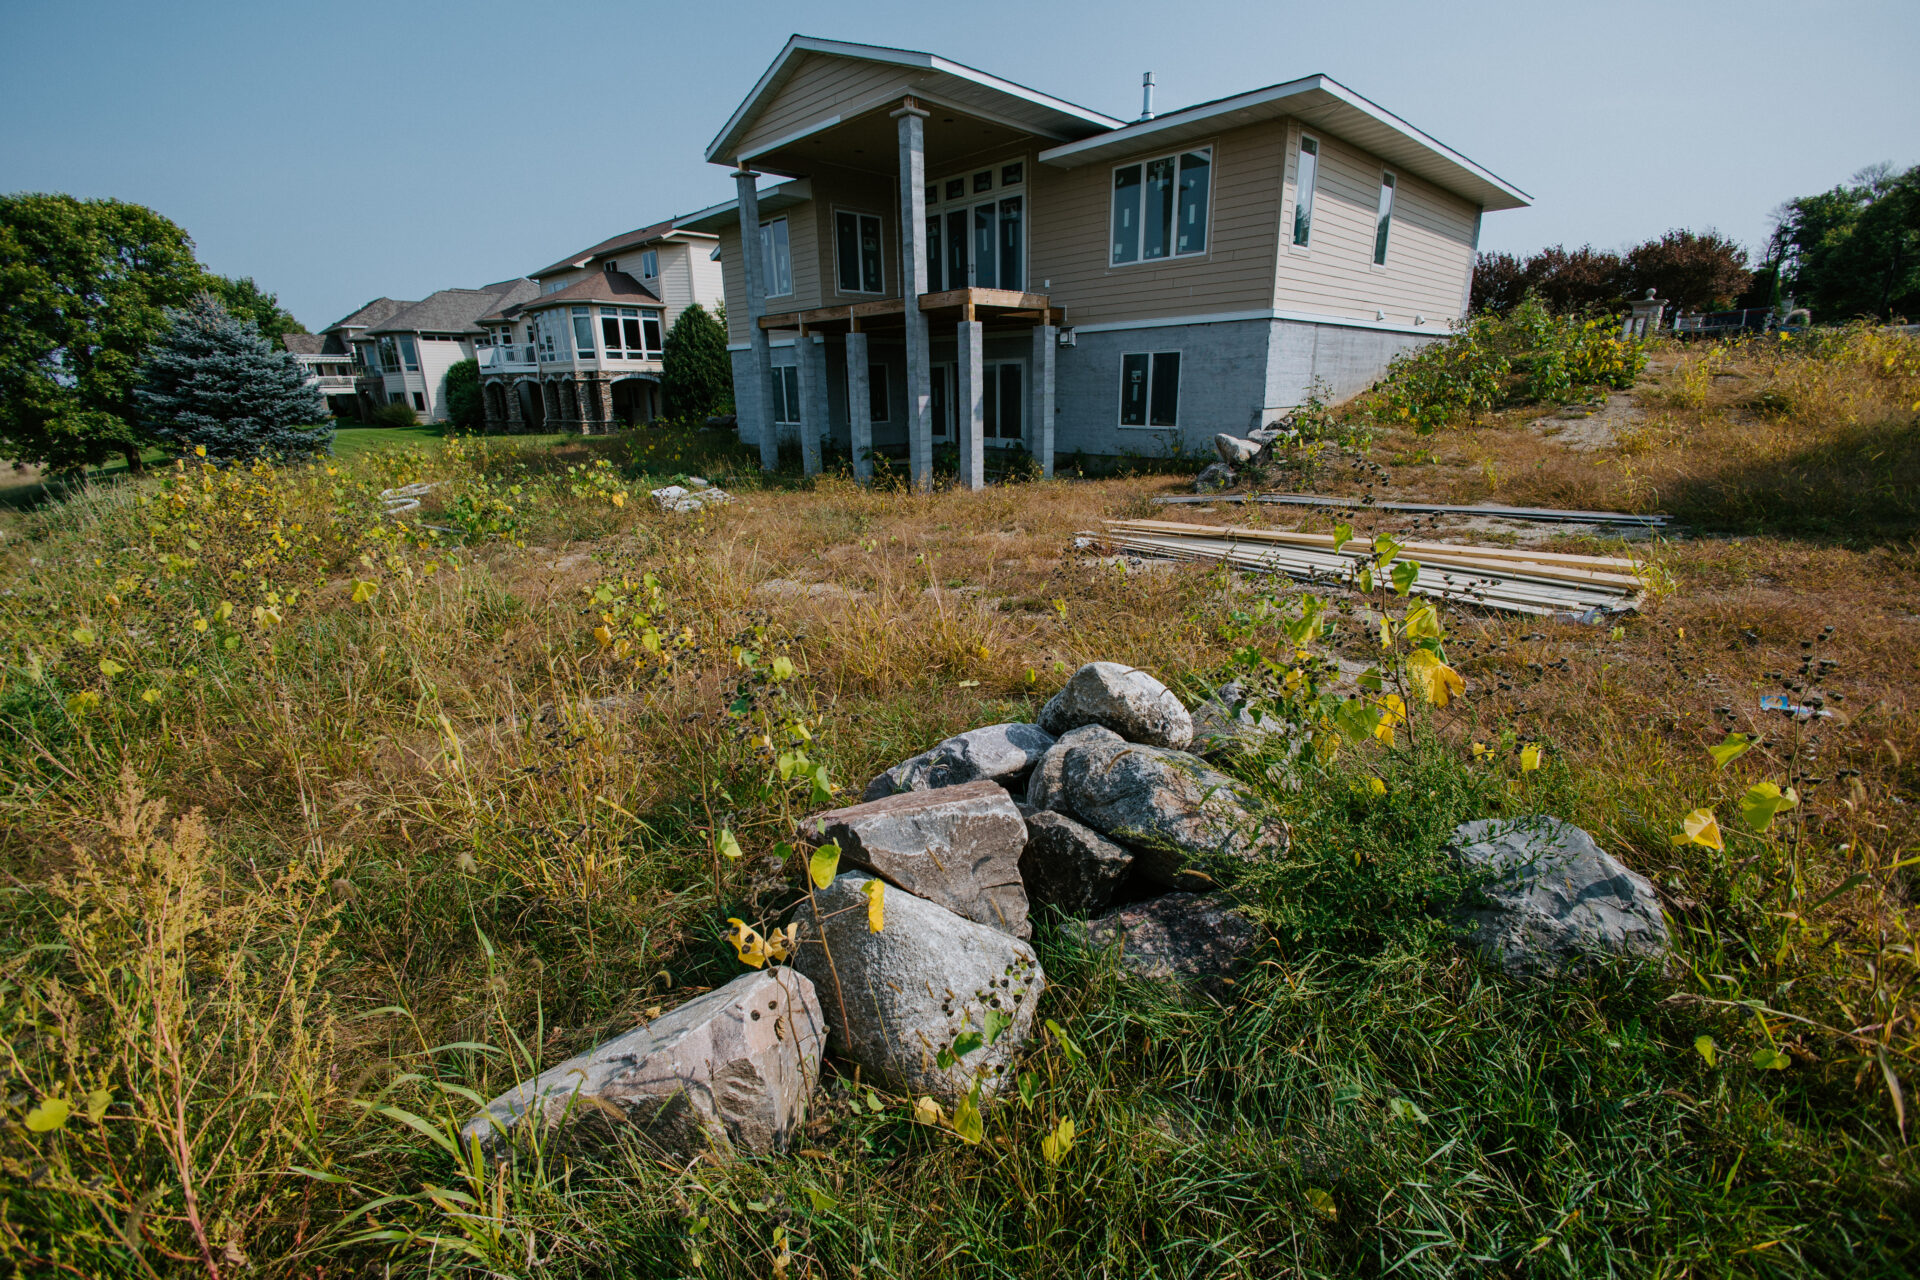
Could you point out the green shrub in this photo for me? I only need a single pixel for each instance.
(697, 374)
(395, 413)
(463, 396)
(1530, 356)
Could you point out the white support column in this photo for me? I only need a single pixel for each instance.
(859, 406)
(1046, 340)
(756, 406)
(913, 278)
(810, 364)
(971, 406)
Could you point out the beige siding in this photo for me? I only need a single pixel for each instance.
(734, 285)
(854, 192)
(819, 89)
(1068, 240)
(1429, 245)
(708, 289)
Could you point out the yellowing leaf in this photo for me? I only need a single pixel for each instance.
(603, 636)
(199, 451)
(109, 668)
(1763, 801)
(968, 1125)
(747, 943)
(823, 865)
(83, 702)
(1054, 1146)
(1705, 1047)
(1437, 682)
(926, 1111)
(364, 591)
(150, 696)
(729, 846)
(199, 624)
(1481, 751)
(1322, 1203)
(1392, 712)
(82, 635)
(1423, 623)
(782, 668)
(1735, 746)
(1702, 828)
(1530, 757)
(876, 896)
(223, 611)
(97, 1103)
(49, 1115)
(1377, 786)
(782, 943)
(617, 499)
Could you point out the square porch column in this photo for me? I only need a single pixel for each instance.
(810, 368)
(913, 282)
(971, 405)
(1046, 342)
(756, 406)
(859, 405)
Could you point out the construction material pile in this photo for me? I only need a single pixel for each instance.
(1515, 579)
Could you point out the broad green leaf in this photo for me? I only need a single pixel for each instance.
(1384, 550)
(824, 863)
(1702, 828)
(1356, 719)
(728, 844)
(966, 1042)
(820, 1201)
(82, 635)
(944, 1058)
(49, 1115)
(997, 1022)
(1365, 582)
(1342, 535)
(1763, 801)
(1067, 1046)
(1706, 1048)
(1735, 746)
(1770, 1059)
(968, 1125)
(1423, 622)
(876, 896)
(1055, 1146)
(109, 668)
(1405, 574)
(1029, 1088)
(873, 1102)
(97, 1103)
(1406, 1109)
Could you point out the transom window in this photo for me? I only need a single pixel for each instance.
(978, 238)
(1383, 221)
(1305, 173)
(776, 257)
(1160, 207)
(628, 333)
(1150, 389)
(856, 238)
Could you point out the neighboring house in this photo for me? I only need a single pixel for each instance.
(584, 352)
(349, 334)
(1079, 283)
(406, 355)
(329, 368)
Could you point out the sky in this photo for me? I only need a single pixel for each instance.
(343, 151)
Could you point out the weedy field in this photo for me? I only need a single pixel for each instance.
(322, 826)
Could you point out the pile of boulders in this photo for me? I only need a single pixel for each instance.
(695, 494)
(914, 962)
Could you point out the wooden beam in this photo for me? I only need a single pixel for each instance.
(884, 307)
(784, 320)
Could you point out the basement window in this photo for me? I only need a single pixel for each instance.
(1304, 175)
(856, 239)
(1150, 389)
(1384, 219)
(1160, 208)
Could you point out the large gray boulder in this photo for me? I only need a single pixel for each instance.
(1002, 753)
(1177, 815)
(1553, 899)
(1218, 727)
(928, 977)
(1124, 699)
(958, 846)
(1234, 450)
(1197, 939)
(1069, 867)
(730, 1071)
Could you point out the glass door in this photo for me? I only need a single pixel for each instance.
(942, 401)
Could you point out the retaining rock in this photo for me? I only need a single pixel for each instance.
(1126, 700)
(1191, 938)
(1067, 866)
(1233, 450)
(1002, 753)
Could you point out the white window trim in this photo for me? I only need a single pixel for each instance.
(1213, 166)
(650, 264)
(1377, 254)
(1120, 404)
(1293, 210)
(839, 288)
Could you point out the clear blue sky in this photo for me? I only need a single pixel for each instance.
(339, 151)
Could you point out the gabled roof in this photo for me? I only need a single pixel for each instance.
(1317, 100)
(373, 313)
(627, 240)
(599, 286)
(303, 344)
(782, 195)
(1040, 112)
(455, 310)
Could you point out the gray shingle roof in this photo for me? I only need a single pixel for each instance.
(373, 313)
(455, 310)
(600, 286)
(303, 344)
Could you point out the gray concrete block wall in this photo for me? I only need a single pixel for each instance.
(1347, 358)
(1222, 383)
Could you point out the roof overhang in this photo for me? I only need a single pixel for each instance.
(1038, 112)
(726, 215)
(1320, 102)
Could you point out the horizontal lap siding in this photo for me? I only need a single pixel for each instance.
(817, 90)
(1429, 244)
(734, 282)
(854, 192)
(1071, 214)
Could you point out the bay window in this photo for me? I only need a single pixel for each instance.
(856, 238)
(628, 333)
(1160, 207)
(582, 333)
(1150, 389)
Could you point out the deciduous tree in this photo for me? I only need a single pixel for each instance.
(245, 300)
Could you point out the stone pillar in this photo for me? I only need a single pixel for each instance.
(550, 401)
(970, 405)
(755, 408)
(913, 278)
(859, 405)
(516, 420)
(810, 369)
(1046, 341)
(597, 406)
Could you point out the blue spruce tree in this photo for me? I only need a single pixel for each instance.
(213, 380)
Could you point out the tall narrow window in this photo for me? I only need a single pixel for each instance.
(1150, 389)
(1160, 208)
(582, 334)
(878, 401)
(1013, 274)
(776, 256)
(1303, 179)
(650, 264)
(786, 393)
(957, 249)
(984, 275)
(1012, 379)
(1384, 221)
(650, 331)
(857, 244)
(934, 256)
(409, 353)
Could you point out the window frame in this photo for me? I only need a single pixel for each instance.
(860, 218)
(650, 264)
(767, 257)
(1300, 237)
(786, 394)
(1152, 358)
(1178, 157)
(966, 202)
(580, 324)
(1383, 216)
(409, 353)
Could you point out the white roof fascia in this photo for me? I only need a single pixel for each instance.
(788, 193)
(717, 150)
(1142, 133)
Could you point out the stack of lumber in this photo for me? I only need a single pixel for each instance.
(1550, 515)
(1516, 579)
